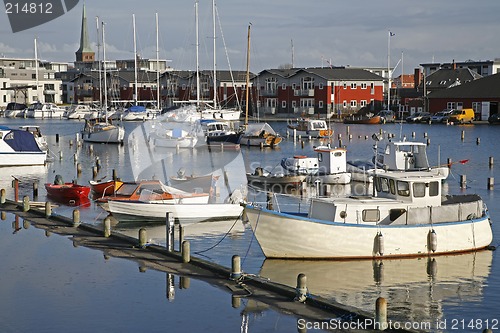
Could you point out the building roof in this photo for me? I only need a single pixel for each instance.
(446, 78)
(486, 87)
(328, 73)
(84, 38)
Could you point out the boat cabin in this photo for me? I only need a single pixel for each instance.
(401, 198)
(403, 155)
(331, 160)
(218, 128)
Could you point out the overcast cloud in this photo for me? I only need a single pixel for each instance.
(353, 33)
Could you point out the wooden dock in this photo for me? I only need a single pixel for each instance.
(260, 291)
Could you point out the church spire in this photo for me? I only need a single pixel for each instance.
(84, 53)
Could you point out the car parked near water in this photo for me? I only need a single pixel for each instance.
(441, 116)
(462, 116)
(387, 116)
(417, 117)
(494, 119)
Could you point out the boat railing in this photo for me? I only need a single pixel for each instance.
(282, 202)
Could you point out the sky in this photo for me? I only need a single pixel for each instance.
(309, 33)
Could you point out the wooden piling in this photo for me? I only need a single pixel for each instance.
(78, 168)
(186, 252)
(463, 181)
(490, 162)
(380, 314)
(143, 237)
(301, 289)
(76, 217)
(16, 189)
(26, 203)
(57, 137)
(478, 141)
(3, 196)
(181, 236)
(48, 209)
(491, 183)
(114, 174)
(35, 190)
(462, 136)
(235, 267)
(107, 227)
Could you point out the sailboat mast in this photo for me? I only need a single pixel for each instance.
(197, 54)
(247, 85)
(157, 67)
(105, 74)
(135, 61)
(389, 70)
(215, 57)
(99, 59)
(36, 73)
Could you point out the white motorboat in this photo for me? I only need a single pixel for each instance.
(37, 133)
(317, 128)
(329, 167)
(407, 217)
(260, 134)
(138, 112)
(81, 111)
(395, 156)
(102, 131)
(185, 210)
(19, 148)
(173, 138)
(14, 110)
(44, 110)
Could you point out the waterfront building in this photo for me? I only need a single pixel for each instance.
(321, 91)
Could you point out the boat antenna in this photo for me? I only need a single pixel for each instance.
(247, 75)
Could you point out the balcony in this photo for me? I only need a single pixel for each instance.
(304, 92)
(271, 92)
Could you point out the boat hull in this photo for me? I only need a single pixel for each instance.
(22, 158)
(111, 134)
(68, 193)
(282, 235)
(185, 213)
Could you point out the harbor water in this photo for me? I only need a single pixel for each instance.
(49, 284)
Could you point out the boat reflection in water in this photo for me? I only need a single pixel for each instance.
(415, 289)
(156, 234)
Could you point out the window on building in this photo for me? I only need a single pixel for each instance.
(321, 86)
(320, 104)
(362, 103)
(344, 104)
(354, 85)
(294, 104)
(283, 86)
(283, 104)
(364, 85)
(345, 85)
(307, 83)
(354, 103)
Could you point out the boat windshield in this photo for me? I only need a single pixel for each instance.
(126, 189)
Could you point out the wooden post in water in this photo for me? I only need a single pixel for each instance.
(143, 237)
(26, 203)
(48, 209)
(76, 217)
(490, 162)
(57, 137)
(16, 189)
(107, 227)
(462, 136)
(114, 174)
(186, 252)
(491, 183)
(3, 196)
(35, 190)
(235, 267)
(169, 232)
(463, 181)
(301, 289)
(478, 141)
(181, 236)
(380, 314)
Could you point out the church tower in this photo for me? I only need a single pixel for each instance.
(84, 53)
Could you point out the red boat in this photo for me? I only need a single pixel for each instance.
(363, 120)
(103, 188)
(68, 193)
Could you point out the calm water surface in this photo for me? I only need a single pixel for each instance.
(47, 285)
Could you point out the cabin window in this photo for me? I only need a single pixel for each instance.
(371, 215)
(419, 190)
(403, 188)
(384, 184)
(337, 154)
(433, 189)
(392, 186)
